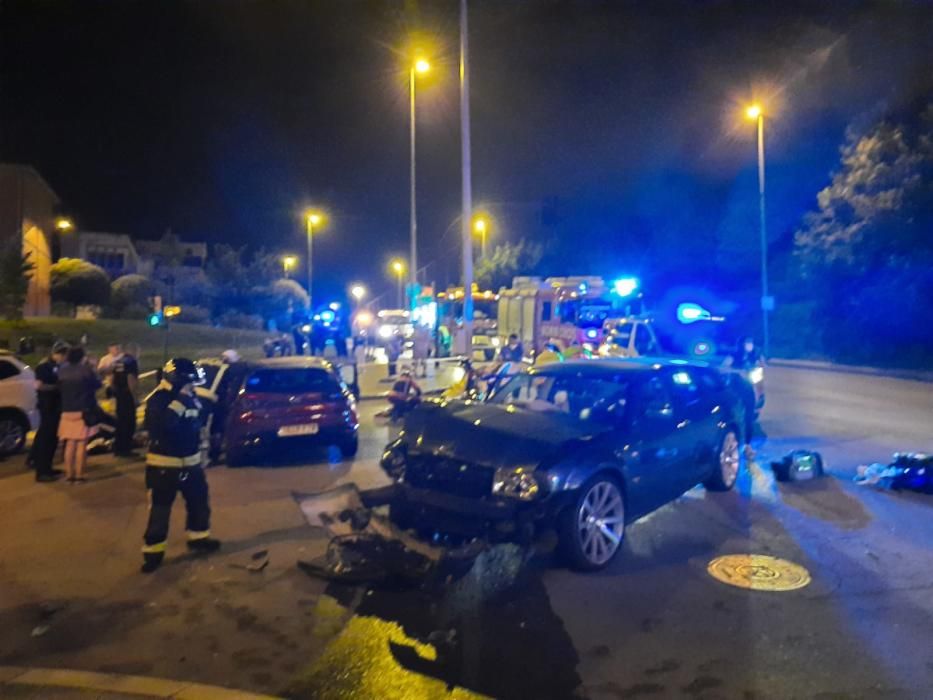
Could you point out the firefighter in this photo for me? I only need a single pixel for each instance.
(174, 419)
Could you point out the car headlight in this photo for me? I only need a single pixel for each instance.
(756, 375)
(515, 483)
(385, 332)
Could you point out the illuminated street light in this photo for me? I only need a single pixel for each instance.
(756, 113)
(64, 224)
(481, 226)
(312, 219)
(398, 266)
(288, 263)
(358, 291)
(420, 65)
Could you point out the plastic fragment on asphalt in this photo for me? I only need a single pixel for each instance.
(39, 630)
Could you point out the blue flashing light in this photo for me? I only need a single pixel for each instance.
(681, 378)
(689, 312)
(334, 306)
(625, 286)
(592, 333)
(327, 316)
(583, 287)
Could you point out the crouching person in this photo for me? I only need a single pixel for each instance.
(174, 462)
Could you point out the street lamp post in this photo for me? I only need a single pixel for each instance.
(419, 66)
(312, 219)
(466, 179)
(480, 226)
(399, 267)
(288, 262)
(755, 112)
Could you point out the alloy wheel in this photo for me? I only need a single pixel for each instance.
(729, 459)
(601, 522)
(11, 435)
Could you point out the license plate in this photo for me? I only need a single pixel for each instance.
(292, 430)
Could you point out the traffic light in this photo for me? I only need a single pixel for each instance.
(155, 319)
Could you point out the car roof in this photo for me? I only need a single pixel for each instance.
(293, 362)
(615, 365)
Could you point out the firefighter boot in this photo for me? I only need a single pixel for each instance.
(151, 561)
(204, 544)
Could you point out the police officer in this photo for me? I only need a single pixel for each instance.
(49, 402)
(174, 419)
(124, 371)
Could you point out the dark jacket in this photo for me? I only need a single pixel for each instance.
(173, 421)
(78, 385)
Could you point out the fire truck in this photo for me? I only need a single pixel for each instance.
(564, 310)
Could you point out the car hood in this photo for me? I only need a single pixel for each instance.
(491, 434)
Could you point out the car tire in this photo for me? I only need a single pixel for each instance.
(586, 540)
(726, 467)
(349, 446)
(13, 431)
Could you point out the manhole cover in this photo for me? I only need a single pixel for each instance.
(758, 572)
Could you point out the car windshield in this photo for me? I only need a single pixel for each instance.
(586, 398)
(292, 381)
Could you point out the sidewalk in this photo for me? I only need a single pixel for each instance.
(18, 682)
(910, 374)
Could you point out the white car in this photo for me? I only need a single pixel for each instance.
(18, 414)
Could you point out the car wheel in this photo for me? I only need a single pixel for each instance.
(350, 446)
(13, 430)
(591, 530)
(727, 464)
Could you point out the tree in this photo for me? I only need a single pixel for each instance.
(879, 204)
(79, 282)
(130, 290)
(506, 261)
(867, 250)
(15, 271)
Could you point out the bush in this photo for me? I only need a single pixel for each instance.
(80, 283)
(130, 289)
(193, 314)
(234, 319)
(135, 312)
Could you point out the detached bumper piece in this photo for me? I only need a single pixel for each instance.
(368, 547)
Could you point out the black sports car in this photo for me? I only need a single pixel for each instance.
(587, 446)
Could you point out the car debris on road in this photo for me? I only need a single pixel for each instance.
(908, 471)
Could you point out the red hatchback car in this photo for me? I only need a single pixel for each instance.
(290, 402)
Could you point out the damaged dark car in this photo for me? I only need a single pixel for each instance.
(585, 447)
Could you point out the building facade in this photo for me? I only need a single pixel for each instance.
(28, 208)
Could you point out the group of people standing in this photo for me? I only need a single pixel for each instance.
(67, 382)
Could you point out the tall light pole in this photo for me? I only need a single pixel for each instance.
(767, 303)
(418, 66)
(399, 268)
(480, 226)
(466, 180)
(312, 219)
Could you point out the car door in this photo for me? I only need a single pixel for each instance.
(692, 406)
(654, 454)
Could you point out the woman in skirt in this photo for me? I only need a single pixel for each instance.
(79, 383)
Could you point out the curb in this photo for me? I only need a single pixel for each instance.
(117, 683)
(913, 375)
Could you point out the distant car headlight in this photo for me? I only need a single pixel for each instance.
(756, 375)
(385, 332)
(515, 483)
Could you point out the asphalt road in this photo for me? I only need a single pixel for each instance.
(654, 624)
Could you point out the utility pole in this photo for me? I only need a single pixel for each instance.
(466, 177)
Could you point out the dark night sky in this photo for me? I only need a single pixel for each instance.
(220, 119)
